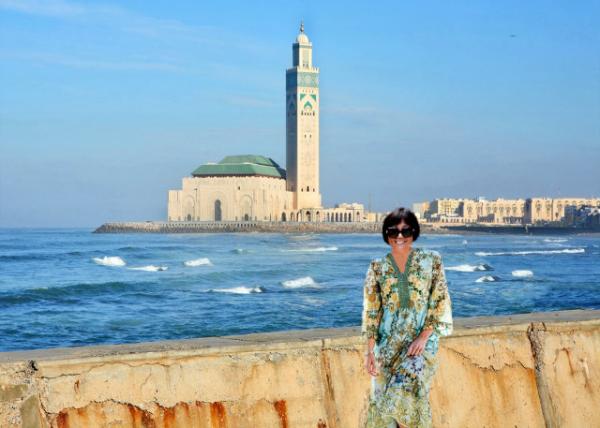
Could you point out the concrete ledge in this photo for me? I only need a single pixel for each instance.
(525, 370)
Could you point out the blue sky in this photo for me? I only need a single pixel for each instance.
(104, 106)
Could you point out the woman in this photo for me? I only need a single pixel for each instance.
(406, 310)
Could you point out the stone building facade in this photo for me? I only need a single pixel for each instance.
(502, 211)
(542, 210)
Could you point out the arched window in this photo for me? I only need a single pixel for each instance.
(189, 217)
(308, 216)
(282, 216)
(218, 212)
(246, 217)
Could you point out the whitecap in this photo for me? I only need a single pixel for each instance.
(555, 240)
(465, 242)
(313, 301)
(240, 251)
(310, 250)
(526, 253)
(488, 278)
(470, 268)
(109, 261)
(238, 290)
(522, 273)
(305, 281)
(198, 262)
(150, 268)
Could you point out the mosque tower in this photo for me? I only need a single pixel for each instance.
(302, 126)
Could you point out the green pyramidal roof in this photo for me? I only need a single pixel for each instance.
(241, 165)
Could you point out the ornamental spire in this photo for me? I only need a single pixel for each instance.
(302, 26)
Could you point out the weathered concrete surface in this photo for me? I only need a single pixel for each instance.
(529, 370)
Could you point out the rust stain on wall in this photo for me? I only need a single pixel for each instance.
(62, 420)
(218, 417)
(281, 407)
(169, 417)
(321, 424)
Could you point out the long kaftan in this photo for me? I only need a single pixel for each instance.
(397, 307)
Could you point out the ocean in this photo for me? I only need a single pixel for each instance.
(70, 287)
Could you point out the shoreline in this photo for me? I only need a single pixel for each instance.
(326, 227)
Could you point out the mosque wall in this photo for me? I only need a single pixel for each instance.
(229, 198)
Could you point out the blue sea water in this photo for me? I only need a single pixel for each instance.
(70, 287)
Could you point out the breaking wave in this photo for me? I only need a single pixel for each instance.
(150, 268)
(198, 262)
(305, 281)
(488, 278)
(109, 261)
(310, 250)
(238, 290)
(555, 240)
(470, 268)
(522, 273)
(526, 253)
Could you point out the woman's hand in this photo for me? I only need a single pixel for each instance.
(418, 345)
(371, 364)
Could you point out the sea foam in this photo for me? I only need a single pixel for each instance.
(109, 261)
(305, 281)
(470, 268)
(150, 268)
(526, 253)
(555, 240)
(238, 290)
(523, 273)
(487, 278)
(310, 250)
(198, 262)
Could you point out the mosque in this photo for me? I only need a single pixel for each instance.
(256, 188)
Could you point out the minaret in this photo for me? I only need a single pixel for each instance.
(302, 126)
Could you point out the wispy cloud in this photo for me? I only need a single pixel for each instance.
(56, 8)
(131, 22)
(86, 63)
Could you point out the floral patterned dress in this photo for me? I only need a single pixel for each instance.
(397, 307)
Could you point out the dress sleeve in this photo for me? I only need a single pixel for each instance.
(439, 308)
(372, 309)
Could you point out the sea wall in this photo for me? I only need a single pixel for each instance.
(238, 226)
(252, 226)
(530, 370)
(321, 227)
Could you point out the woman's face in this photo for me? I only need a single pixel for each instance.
(400, 242)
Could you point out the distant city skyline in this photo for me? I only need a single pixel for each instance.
(105, 106)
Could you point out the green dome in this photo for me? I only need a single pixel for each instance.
(241, 165)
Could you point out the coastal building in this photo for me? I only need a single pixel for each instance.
(547, 210)
(480, 210)
(253, 187)
(501, 211)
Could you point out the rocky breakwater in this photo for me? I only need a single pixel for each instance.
(238, 226)
(533, 370)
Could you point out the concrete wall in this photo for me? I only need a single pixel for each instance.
(529, 370)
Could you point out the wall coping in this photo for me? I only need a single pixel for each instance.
(284, 340)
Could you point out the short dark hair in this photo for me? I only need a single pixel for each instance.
(397, 216)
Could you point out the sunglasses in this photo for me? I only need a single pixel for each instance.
(394, 232)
